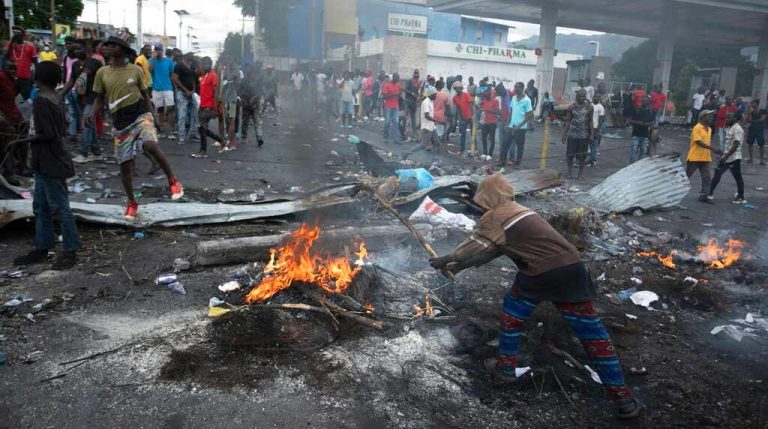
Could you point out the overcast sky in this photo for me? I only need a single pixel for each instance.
(213, 19)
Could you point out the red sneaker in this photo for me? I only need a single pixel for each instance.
(131, 210)
(177, 191)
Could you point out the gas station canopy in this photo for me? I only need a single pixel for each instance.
(723, 22)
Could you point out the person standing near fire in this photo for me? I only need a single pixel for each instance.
(550, 269)
(700, 152)
(121, 86)
(731, 160)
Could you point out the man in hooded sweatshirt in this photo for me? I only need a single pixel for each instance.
(550, 269)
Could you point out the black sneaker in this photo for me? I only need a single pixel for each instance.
(66, 261)
(628, 409)
(34, 257)
(261, 142)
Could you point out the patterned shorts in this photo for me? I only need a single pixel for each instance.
(130, 140)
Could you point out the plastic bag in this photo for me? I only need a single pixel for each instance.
(422, 176)
(433, 213)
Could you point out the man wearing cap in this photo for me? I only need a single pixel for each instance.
(121, 85)
(161, 68)
(700, 152)
(24, 54)
(428, 121)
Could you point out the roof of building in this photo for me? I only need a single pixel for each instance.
(726, 22)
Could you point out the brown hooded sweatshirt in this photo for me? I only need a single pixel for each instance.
(511, 229)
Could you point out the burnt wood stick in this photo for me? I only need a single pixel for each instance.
(387, 205)
(343, 312)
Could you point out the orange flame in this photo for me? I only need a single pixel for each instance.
(427, 310)
(667, 261)
(719, 257)
(294, 262)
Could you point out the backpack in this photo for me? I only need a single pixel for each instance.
(81, 83)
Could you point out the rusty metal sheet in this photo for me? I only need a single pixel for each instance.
(651, 183)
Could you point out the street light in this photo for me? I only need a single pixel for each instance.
(190, 36)
(182, 13)
(597, 47)
(165, 3)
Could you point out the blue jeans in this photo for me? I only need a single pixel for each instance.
(593, 148)
(51, 199)
(89, 141)
(391, 120)
(463, 124)
(74, 113)
(186, 110)
(637, 148)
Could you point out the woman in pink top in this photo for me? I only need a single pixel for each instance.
(441, 104)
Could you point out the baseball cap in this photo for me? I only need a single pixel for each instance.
(431, 90)
(159, 46)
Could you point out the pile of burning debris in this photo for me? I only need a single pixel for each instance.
(324, 288)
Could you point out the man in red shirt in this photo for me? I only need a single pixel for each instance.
(491, 109)
(722, 113)
(638, 93)
(209, 81)
(13, 123)
(24, 55)
(657, 103)
(464, 108)
(390, 92)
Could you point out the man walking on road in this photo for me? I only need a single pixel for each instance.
(252, 94)
(521, 115)
(412, 99)
(578, 133)
(297, 79)
(186, 106)
(641, 121)
(161, 68)
(465, 112)
(731, 160)
(700, 153)
(122, 86)
(209, 83)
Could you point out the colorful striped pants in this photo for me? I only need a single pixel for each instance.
(587, 326)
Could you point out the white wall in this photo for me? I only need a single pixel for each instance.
(498, 72)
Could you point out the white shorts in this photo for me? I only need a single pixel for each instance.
(162, 99)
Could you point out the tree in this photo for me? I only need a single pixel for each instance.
(232, 46)
(273, 20)
(637, 64)
(681, 92)
(37, 13)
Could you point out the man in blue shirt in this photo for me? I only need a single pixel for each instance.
(521, 115)
(161, 68)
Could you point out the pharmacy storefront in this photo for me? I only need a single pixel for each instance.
(498, 63)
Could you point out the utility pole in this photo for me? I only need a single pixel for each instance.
(11, 23)
(242, 40)
(139, 34)
(256, 31)
(53, 18)
(165, 3)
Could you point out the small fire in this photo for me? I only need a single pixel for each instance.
(719, 257)
(294, 262)
(667, 261)
(427, 310)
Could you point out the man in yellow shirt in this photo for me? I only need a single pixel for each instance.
(700, 152)
(47, 54)
(142, 61)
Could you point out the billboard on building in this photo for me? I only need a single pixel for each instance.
(407, 25)
(166, 41)
(339, 16)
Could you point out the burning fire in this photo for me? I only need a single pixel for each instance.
(667, 261)
(294, 262)
(716, 256)
(427, 311)
(720, 257)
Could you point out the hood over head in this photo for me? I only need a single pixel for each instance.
(494, 191)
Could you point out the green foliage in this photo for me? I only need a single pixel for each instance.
(273, 20)
(232, 45)
(37, 13)
(637, 64)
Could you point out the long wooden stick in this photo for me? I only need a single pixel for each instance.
(387, 205)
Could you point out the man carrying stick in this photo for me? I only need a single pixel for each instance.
(550, 270)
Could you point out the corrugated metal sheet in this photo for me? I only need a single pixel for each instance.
(652, 183)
